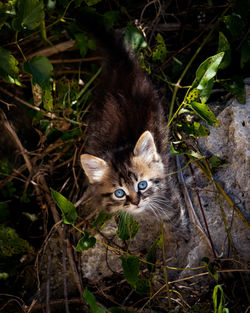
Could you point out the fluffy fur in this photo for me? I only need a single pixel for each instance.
(125, 153)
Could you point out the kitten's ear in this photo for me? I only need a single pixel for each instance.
(145, 148)
(94, 167)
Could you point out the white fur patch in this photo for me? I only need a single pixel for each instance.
(94, 167)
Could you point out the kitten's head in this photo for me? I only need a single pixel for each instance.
(133, 186)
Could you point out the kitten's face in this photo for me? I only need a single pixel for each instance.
(133, 187)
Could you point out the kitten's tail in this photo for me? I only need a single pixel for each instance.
(112, 45)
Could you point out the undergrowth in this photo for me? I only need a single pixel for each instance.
(48, 70)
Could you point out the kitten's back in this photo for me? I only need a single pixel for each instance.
(125, 103)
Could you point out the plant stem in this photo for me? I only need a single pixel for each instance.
(177, 85)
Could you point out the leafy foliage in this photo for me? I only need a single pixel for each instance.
(8, 67)
(219, 306)
(29, 14)
(61, 94)
(131, 268)
(91, 301)
(127, 226)
(69, 214)
(85, 242)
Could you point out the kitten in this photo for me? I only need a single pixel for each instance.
(125, 154)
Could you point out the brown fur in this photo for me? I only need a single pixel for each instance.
(126, 141)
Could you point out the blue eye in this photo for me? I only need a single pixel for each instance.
(142, 185)
(119, 193)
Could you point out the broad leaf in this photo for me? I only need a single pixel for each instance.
(151, 257)
(91, 2)
(48, 100)
(179, 147)
(91, 301)
(204, 112)
(29, 14)
(205, 73)
(224, 46)
(110, 17)
(131, 268)
(85, 242)
(41, 70)
(245, 52)
(8, 67)
(142, 285)
(193, 95)
(69, 214)
(236, 87)
(134, 38)
(217, 163)
(127, 227)
(101, 220)
(234, 24)
(82, 43)
(194, 129)
(160, 51)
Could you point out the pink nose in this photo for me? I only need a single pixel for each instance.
(135, 200)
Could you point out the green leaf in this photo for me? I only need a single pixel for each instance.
(8, 67)
(179, 147)
(194, 129)
(234, 23)
(224, 46)
(69, 214)
(142, 285)
(236, 87)
(245, 53)
(204, 112)
(91, 2)
(127, 227)
(41, 70)
(131, 268)
(82, 43)
(151, 253)
(85, 242)
(29, 14)
(211, 267)
(193, 95)
(160, 51)
(91, 301)
(5, 8)
(219, 306)
(110, 17)
(205, 74)
(144, 63)
(134, 38)
(101, 220)
(48, 100)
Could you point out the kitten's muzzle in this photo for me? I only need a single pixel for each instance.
(135, 199)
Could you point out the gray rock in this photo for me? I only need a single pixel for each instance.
(230, 143)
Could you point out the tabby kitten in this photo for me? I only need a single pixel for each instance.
(125, 153)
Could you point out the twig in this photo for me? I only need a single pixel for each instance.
(18, 143)
(65, 289)
(164, 267)
(91, 59)
(73, 268)
(48, 284)
(202, 212)
(48, 114)
(191, 211)
(61, 47)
